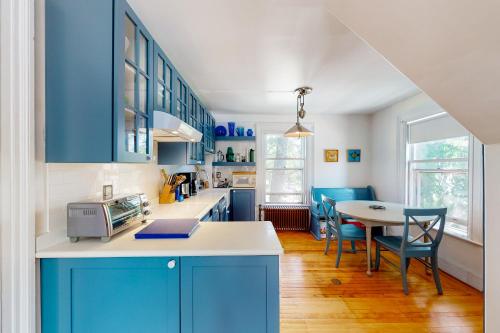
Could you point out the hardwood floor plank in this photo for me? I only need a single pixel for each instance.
(316, 297)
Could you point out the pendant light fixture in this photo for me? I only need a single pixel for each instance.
(299, 131)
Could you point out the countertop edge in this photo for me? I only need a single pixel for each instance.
(139, 254)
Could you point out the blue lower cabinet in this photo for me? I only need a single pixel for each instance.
(230, 294)
(110, 295)
(243, 205)
(102, 295)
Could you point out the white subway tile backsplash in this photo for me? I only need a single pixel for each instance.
(78, 182)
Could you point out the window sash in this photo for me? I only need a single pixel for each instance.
(284, 158)
(412, 189)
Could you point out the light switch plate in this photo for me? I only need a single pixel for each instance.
(107, 192)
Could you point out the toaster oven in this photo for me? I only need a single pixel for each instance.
(103, 219)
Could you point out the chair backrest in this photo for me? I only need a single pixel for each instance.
(332, 218)
(343, 193)
(425, 219)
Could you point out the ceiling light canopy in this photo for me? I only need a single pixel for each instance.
(299, 131)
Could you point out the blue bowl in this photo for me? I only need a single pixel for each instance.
(220, 131)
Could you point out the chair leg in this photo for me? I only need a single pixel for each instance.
(408, 260)
(353, 246)
(435, 272)
(377, 256)
(339, 252)
(403, 275)
(328, 239)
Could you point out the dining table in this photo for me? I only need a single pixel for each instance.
(389, 214)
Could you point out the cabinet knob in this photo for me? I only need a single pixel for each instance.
(171, 264)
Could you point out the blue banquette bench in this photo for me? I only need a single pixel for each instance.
(337, 194)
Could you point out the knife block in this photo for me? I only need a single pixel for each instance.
(167, 194)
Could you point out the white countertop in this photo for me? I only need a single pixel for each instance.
(209, 239)
(194, 207)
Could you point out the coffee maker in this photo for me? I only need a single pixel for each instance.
(191, 181)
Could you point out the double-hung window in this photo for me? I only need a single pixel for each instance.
(439, 170)
(284, 169)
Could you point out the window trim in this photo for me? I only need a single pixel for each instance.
(303, 170)
(476, 175)
(264, 128)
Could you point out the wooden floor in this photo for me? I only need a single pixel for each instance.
(316, 297)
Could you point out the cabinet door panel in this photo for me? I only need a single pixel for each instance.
(79, 81)
(230, 294)
(110, 295)
(163, 87)
(133, 87)
(243, 205)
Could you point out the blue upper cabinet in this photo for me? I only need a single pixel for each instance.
(163, 85)
(99, 89)
(181, 98)
(208, 134)
(133, 88)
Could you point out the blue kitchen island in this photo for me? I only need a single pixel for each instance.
(223, 279)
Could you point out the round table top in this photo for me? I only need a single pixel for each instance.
(359, 209)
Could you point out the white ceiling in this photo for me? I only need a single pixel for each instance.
(247, 55)
(449, 48)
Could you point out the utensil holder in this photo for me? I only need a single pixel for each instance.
(167, 195)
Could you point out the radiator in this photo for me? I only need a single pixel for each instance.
(286, 217)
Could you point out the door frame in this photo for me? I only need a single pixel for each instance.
(17, 151)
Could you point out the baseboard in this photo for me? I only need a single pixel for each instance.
(461, 273)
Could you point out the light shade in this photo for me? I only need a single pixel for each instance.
(298, 131)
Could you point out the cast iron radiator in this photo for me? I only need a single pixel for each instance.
(286, 217)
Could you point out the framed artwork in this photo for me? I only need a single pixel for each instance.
(331, 155)
(353, 155)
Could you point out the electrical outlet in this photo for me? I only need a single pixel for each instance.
(107, 192)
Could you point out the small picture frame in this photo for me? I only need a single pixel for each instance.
(331, 155)
(353, 155)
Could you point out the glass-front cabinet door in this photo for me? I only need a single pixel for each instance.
(163, 85)
(181, 98)
(133, 72)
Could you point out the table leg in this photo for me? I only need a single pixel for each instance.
(369, 250)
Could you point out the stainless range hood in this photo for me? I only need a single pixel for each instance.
(168, 128)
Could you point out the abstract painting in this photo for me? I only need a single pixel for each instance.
(353, 155)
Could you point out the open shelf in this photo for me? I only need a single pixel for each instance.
(233, 164)
(235, 138)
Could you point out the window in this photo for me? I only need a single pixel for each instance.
(439, 160)
(284, 167)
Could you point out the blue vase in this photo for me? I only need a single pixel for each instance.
(220, 131)
(249, 132)
(240, 131)
(230, 126)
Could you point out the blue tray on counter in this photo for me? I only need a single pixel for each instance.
(165, 228)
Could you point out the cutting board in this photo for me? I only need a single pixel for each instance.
(165, 228)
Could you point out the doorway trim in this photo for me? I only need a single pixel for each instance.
(17, 208)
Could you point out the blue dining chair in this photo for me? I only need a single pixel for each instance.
(342, 232)
(408, 246)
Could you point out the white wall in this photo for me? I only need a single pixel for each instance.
(331, 132)
(460, 258)
(492, 245)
